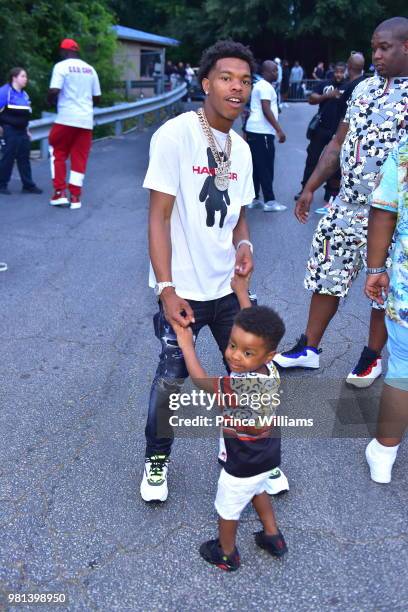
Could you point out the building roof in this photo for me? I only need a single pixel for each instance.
(138, 36)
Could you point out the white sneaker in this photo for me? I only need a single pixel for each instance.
(300, 356)
(277, 482)
(256, 203)
(379, 462)
(273, 206)
(154, 483)
(75, 202)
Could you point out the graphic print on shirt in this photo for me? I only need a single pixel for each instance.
(377, 116)
(214, 199)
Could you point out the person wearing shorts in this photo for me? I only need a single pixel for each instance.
(375, 121)
(252, 444)
(388, 217)
(339, 251)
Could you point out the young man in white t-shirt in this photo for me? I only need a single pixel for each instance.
(76, 86)
(198, 234)
(261, 128)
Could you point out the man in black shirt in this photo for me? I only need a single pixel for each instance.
(318, 72)
(327, 95)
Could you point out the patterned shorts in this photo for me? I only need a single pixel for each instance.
(339, 250)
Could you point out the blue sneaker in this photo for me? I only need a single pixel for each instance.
(300, 356)
(323, 210)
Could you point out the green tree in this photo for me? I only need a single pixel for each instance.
(31, 33)
(13, 21)
(308, 26)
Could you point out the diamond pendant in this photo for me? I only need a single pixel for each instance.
(221, 182)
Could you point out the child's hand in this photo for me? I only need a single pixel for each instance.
(184, 336)
(240, 284)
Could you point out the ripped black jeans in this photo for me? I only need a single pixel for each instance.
(171, 371)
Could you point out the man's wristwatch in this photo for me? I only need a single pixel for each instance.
(376, 270)
(158, 288)
(241, 242)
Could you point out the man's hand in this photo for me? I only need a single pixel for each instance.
(376, 287)
(243, 261)
(176, 310)
(302, 208)
(281, 135)
(333, 93)
(184, 336)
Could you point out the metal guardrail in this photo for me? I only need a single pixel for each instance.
(299, 92)
(40, 128)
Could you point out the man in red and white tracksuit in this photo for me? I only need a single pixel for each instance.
(75, 85)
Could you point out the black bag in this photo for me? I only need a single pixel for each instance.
(313, 125)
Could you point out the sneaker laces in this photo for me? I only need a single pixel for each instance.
(157, 465)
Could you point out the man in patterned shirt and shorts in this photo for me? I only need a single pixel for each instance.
(376, 119)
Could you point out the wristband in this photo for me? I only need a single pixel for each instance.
(376, 270)
(251, 246)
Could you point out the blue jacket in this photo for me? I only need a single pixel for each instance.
(15, 107)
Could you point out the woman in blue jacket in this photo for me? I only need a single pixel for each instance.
(15, 111)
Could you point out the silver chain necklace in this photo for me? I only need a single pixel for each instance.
(222, 159)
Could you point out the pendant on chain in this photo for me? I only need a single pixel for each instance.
(221, 182)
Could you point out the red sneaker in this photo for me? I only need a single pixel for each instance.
(75, 202)
(59, 199)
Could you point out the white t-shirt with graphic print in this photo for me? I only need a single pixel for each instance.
(203, 218)
(78, 82)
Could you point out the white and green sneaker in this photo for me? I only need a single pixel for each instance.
(277, 482)
(154, 484)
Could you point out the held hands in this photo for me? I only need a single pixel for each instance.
(176, 310)
(376, 287)
(240, 284)
(303, 206)
(243, 261)
(184, 336)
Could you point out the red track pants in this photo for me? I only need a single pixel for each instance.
(67, 141)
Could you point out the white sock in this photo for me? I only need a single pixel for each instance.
(380, 449)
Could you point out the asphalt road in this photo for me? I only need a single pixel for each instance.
(78, 355)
